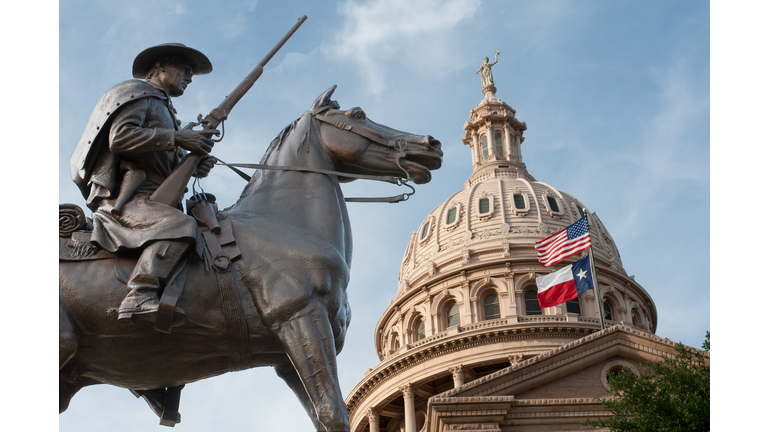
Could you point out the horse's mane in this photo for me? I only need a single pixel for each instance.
(294, 127)
(273, 147)
(275, 144)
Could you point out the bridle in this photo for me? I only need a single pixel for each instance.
(398, 144)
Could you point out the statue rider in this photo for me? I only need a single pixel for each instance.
(486, 77)
(131, 144)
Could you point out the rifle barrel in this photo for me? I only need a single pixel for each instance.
(247, 83)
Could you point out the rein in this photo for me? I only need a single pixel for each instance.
(388, 179)
(398, 144)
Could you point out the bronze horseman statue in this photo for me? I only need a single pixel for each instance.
(125, 155)
(263, 284)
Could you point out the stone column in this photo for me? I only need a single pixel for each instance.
(458, 375)
(591, 304)
(491, 143)
(373, 420)
(410, 408)
(508, 143)
(428, 328)
(477, 152)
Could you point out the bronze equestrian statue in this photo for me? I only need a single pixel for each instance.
(267, 287)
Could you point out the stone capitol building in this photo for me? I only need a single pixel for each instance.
(465, 345)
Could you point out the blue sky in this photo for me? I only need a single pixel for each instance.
(616, 96)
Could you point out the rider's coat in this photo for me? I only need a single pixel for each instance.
(132, 123)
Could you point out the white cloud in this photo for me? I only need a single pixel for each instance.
(378, 31)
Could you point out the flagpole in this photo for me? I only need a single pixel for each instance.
(594, 278)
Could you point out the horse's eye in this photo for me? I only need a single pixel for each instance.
(359, 115)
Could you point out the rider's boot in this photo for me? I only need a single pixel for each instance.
(159, 263)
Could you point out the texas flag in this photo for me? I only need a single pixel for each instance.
(564, 284)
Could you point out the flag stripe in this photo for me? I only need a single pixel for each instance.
(550, 254)
(557, 235)
(560, 293)
(567, 242)
(557, 258)
(564, 253)
(570, 245)
(556, 288)
(545, 282)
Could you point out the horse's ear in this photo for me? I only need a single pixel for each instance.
(324, 100)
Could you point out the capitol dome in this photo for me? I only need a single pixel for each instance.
(466, 303)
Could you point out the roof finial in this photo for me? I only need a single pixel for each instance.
(486, 77)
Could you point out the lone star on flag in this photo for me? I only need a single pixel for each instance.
(582, 274)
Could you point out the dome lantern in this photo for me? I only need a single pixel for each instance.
(493, 134)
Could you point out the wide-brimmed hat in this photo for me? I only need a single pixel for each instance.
(147, 59)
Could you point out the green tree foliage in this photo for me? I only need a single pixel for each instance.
(672, 395)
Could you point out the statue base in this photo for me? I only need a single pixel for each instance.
(489, 89)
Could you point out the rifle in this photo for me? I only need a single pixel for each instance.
(172, 188)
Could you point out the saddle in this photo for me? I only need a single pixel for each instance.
(75, 237)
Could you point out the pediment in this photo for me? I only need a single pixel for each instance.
(546, 389)
(573, 361)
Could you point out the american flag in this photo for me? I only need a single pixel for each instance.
(564, 243)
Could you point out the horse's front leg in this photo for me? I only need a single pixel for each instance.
(298, 315)
(288, 373)
(308, 340)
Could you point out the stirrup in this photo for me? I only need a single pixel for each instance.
(130, 316)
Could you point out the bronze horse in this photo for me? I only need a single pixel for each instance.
(293, 231)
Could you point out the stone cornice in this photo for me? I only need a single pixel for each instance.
(470, 399)
(442, 344)
(562, 401)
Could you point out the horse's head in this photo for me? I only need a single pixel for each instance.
(361, 146)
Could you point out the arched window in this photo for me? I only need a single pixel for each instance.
(499, 146)
(451, 216)
(553, 204)
(484, 140)
(532, 306)
(573, 306)
(491, 309)
(452, 317)
(394, 342)
(636, 321)
(419, 329)
(425, 231)
(484, 205)
(519, 201)
(607, 311)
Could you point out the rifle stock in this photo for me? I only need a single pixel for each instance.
(171, 190)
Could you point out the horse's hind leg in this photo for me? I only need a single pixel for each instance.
(68, 338)
(288, 373)
(67, 389)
